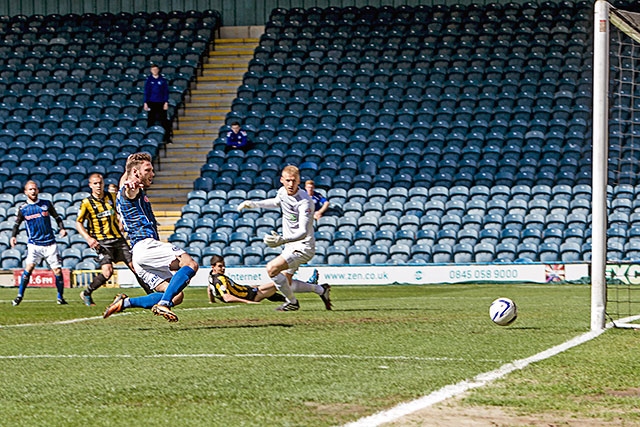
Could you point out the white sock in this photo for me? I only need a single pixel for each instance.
(283, 286)
(300, 286)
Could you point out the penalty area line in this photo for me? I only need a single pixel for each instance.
(479, 380)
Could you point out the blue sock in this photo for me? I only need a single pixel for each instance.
(60, 285)
(146, 301)
(178, 282)
(24, 281)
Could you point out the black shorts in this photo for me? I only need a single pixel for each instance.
(112, 251)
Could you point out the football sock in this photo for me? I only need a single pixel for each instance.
(146, 301)
(300, 286)
(24, 281)
(283, 286)
(60, 285)
(178, 282)
(97, 281)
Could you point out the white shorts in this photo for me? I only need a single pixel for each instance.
(35, 255)
(152, 260)
(296, 255)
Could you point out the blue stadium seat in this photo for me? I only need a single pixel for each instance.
(378, 254)
(549, 252)
(484, 252)
(252, 255)
(571, 252)
(441, 253)
(232, 255)
(463, 253)
(336, 255)
(399, 253)
(357, 254)
(11, 258)
(505, 252)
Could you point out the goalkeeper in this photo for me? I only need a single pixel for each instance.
(297, 236)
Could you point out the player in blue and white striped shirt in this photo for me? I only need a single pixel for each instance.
(154, 261)
(41, 243)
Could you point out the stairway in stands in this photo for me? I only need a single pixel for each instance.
(203, 115)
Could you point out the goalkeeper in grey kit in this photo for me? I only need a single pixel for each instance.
(297, 235)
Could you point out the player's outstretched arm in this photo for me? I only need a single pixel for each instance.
(247, 204)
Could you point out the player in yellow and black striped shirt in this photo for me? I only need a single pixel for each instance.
(226, 290)
(103, 234)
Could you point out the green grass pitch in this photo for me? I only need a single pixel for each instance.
(248, 365)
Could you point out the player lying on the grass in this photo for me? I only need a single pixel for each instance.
(297, 234)
(226, 290)
(154, 261)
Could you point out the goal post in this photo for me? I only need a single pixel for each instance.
(599, 158)
(615, 158)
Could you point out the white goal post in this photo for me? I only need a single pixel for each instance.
(616, 52)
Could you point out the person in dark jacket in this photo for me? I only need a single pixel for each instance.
(237, 139)
(156, 101)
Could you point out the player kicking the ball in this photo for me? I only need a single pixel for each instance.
(297, 236)
(166, 269)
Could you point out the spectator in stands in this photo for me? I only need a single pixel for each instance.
(297, 236)
(156, 101)
(237, 139)
(165, 268)
(226, 290)
(321, 202)
(41, 245)
(103, 235)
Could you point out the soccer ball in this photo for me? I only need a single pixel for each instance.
(503, 311)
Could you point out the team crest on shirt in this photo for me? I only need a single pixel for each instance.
(146, 199)
(293, 217)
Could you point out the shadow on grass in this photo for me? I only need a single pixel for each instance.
(229, 326)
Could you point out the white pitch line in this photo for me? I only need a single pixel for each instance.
(479, 380)
(254, 355)
(86, 319)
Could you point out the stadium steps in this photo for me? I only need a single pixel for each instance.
(204, 113)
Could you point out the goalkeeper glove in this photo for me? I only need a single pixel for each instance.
(247, 204)
(274, 240)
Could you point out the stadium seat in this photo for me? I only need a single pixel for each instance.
(70, 257)
(571, 252)
(378, 254)
(232, 255)
(421, 253)
(463, 253)
(11, 258)
(483, 252)
(548, 252)
(505, 252)
(336, 255)
(357, 254)
(399, 253)
(252, 255)
(441, 253)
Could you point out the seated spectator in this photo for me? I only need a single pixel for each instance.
(237, 139)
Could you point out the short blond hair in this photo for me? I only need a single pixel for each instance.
(291, 170)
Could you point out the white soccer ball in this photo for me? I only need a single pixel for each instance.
(503, 311)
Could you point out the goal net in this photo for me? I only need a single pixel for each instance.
(615, 263)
